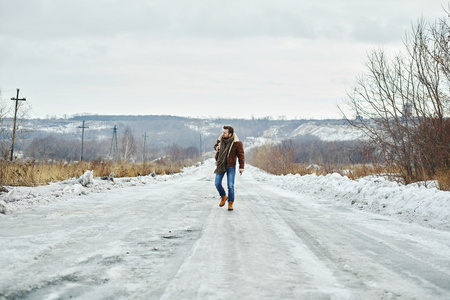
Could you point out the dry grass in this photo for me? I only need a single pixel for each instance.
(362, 170)
(273, 160)
(443, 178)
(21, 173)
(352, 171)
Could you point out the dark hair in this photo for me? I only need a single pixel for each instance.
(230, 129)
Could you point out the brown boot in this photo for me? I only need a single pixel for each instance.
(224, 199)
(230, 205)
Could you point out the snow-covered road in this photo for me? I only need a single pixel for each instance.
(171, 240)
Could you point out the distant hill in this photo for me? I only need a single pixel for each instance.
(189, 132)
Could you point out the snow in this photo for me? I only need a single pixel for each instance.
(412, 203)
(165, 237)
(328, 132)
(426, 206)
(269, 137)
(204, 128)
(22, 198)
(325, 132)
(68, 127)
(252, 142)
(87, 178)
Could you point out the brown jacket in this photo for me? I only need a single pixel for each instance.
(236, 152)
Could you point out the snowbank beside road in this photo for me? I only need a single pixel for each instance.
(412, 203)
(19, 198)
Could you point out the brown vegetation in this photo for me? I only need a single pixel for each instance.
(283, 159)
(20, 173)
(443, 178)
(401, 104)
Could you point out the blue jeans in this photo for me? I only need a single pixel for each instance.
(231, 172)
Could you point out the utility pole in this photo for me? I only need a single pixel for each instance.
(82, 139)
(202, 133)
(15, 117)
(114, 148)
(145, 139)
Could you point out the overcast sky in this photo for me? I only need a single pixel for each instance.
(195, 58)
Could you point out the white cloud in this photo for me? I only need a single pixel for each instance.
(190, 57)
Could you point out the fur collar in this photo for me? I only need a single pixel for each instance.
(236, 139)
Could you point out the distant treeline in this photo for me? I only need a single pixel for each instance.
(304, 150)
(60, 138)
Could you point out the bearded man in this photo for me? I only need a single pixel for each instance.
(228, 149)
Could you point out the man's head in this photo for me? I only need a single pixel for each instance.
(227, 131)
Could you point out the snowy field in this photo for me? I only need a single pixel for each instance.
(290, 237)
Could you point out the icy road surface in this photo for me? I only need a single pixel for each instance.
(171, 240)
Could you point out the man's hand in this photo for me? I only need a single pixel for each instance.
(241, 171)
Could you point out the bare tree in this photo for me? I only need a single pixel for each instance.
(128, 144)
(4, 136)
(175, 152)
(51, 147)
(400, 103)
(283, 156)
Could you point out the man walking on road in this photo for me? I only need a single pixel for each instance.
(228, 149)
